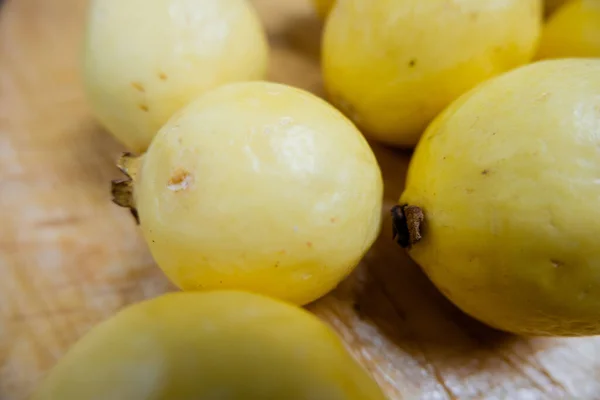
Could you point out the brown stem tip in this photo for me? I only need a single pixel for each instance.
(407, 222)
(122, 189)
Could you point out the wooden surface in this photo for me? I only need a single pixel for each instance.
(69, 258)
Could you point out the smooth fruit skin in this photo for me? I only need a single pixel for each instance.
(393, 65)
(508, 178)
(572, 31)
(215, 345)
(262, 187)
(143, 60)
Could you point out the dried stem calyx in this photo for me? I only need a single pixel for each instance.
(407, 223)
(122, 189)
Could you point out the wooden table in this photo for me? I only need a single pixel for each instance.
(69, 258)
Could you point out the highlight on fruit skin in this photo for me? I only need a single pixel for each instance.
(499, 207)
(256, 186)
(168, 53)
(572, 31)
(418, 56)
(219, 344)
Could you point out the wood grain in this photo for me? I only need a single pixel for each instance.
(69, 258)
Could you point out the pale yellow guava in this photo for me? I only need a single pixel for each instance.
(508, 182)
(145, 59)
(214, 345)
(393, 65)
(258, 186)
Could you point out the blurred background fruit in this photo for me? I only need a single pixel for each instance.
(393, 65)
(217, 345)
(144, 60)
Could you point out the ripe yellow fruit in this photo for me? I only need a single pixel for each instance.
(258, 186)
(508, 179)
(393, 65)
(143, 60)
(213, 345)
(323, 7)
(572, 31)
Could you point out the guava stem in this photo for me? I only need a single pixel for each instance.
(407, 221)
(122, 189)
(128, 164)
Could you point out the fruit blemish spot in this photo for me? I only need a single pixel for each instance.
(180, 180)
(162, 76)
(284, 121)
(138, 86)
(144, 107)
(412, 63)
(557, 263)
